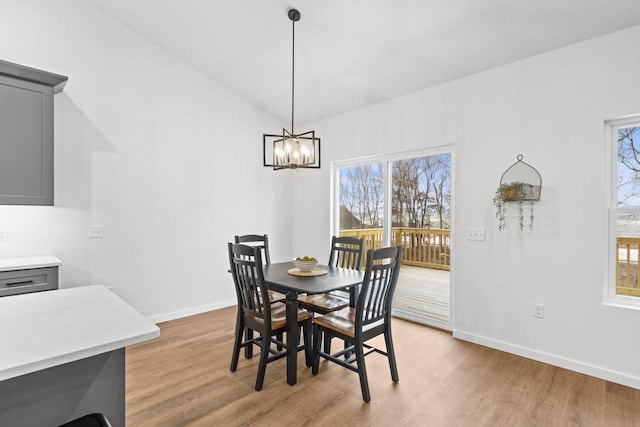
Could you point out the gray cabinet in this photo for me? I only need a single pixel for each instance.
(26, 134)
(30, 280)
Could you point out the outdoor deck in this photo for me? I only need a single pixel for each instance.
(423, 292)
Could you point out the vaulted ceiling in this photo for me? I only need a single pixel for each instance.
(351, 53)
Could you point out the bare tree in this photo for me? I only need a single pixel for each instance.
(406, 192)
(421, 192)
(628, 164)
(442, 197)
(361, 192)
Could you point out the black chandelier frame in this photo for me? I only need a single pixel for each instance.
(306, 154)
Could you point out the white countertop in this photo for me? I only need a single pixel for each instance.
(45, 329)
(23, 263)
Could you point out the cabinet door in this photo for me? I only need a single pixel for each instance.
(26, 143)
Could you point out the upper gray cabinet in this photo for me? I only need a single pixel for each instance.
(26, 134)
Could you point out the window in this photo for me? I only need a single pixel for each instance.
(623, 140)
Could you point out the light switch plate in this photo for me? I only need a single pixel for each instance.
(475, 233)
(96, 232)
(538, 310)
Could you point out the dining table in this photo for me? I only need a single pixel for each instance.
(278, 278)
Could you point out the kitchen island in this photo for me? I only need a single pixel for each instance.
(62, 355)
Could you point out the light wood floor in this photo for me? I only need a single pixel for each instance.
(182, 378)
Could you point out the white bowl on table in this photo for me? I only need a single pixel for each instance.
(305, 266)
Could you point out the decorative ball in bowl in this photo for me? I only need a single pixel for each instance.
(306, 263)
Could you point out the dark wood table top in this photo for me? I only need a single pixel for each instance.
(277, 279)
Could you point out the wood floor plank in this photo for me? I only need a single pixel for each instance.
(182, 378)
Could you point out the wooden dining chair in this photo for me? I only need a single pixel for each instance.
(267, 319)
(370, 317)
(261, 241)
(346, 252)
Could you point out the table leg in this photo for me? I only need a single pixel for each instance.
(292, 336)
(354, 292)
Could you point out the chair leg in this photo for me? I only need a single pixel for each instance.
(362, 372)
(327, 343)
(317, 339)
(264, 355)
(348, 353)
(279, 338)
(391, 355)
(308, 351)
(237, 343)
(248, 350)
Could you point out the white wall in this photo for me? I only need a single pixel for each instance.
(551, 109)
(149, 148)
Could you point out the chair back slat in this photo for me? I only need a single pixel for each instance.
(259, 240)
(378, 286)
(246, 267)
(346, 252)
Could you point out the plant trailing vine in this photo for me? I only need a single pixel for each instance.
(513, 192)
(521, 215)
(498, 202)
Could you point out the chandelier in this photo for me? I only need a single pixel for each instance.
(290, 150)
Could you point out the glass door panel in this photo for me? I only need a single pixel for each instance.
(421, 219)
(405, 201)
(362, 203)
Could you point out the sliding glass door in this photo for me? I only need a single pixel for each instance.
(403, 199)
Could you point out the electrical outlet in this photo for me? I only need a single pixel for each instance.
(96, 232)
(475, 233)
(4, 234)
(538, 310)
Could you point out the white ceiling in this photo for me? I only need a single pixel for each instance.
(351, 53)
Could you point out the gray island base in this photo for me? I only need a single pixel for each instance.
(56, 395)
(64, 355)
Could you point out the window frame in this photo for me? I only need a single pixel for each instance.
(611, 127)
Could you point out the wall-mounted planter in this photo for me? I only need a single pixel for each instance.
(520, 183)
(517, 191)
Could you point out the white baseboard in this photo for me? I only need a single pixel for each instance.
(562, 362)
(191, 311)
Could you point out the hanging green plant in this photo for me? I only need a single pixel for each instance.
(513, 192)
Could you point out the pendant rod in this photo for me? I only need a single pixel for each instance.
(293, 60)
